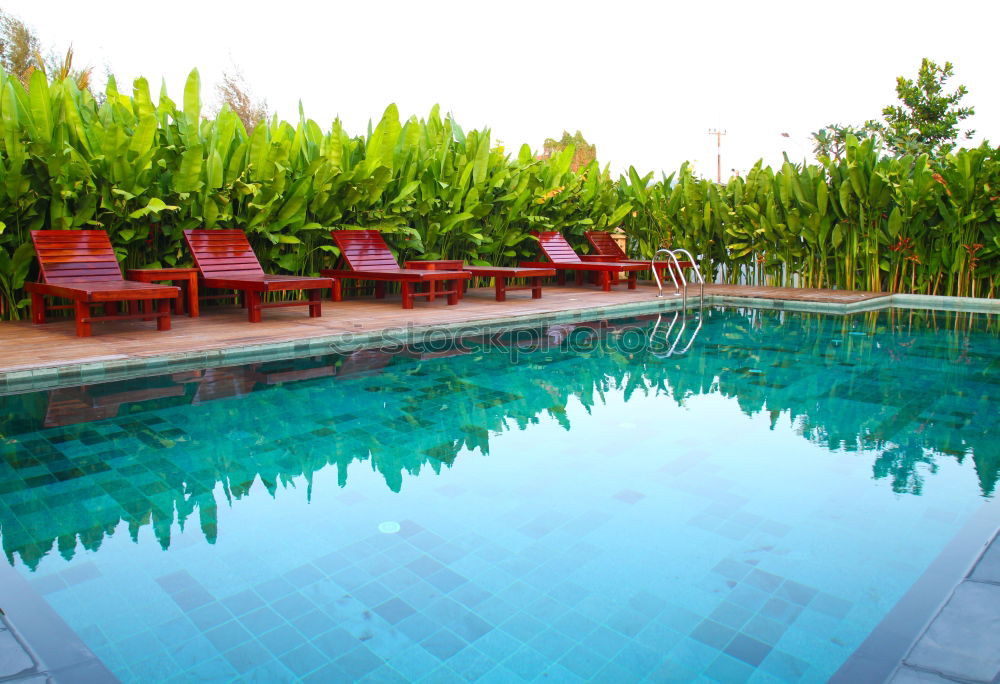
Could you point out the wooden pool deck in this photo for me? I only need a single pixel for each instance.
(24, 346)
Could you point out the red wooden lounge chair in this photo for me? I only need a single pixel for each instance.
(368, 257)
(226, 261)
(606, 248)
(563, 258)
(81, 265)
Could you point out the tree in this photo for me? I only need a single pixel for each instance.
(19, 47)
(831, 141)
(235, 92)
(927, 119)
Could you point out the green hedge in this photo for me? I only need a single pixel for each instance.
(146, 170)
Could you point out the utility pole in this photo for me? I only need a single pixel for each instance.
(718, 147)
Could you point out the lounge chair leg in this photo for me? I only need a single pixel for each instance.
(455, 287)
(561, 277)
(163, 314)
(501, 288)
(605, 281)
(631, 280)
(82, 311)
(406, 291)
(380, 291)
(315, 310)
(336, 292)
(253, 306)
(37, 308)
(536, 288)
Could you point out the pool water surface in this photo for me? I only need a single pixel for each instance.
(568, 504)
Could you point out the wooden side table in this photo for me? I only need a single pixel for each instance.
(435, 265)
(187, 278)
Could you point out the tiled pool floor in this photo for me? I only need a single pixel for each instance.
(570, 516)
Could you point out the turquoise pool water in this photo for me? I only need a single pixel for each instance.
(566, 505)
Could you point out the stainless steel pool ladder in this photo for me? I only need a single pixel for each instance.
(682, 284)
(680, 333)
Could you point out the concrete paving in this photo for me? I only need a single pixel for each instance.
(962, 642)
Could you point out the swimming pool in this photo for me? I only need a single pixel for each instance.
(565, 504)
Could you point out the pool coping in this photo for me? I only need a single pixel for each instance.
(51, 376)
(884, 651)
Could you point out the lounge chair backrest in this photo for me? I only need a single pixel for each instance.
(555, 247)
(364, 250)
(222, 253)
(73, 255)
(605, 245)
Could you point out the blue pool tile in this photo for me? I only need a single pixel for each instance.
(443, 644)
(372, 594)
(728, 670)
(628, 621)
(292, 606)
(383, 674)
(303, 660)
(394, 610)
(443, 675)
(749, 597)
(272, 672)
(212, 671)
(680, 619)
(583, 661)
(243, 602)
(765, 629)
(274, 589)
(191, 598)
(336, 642)
(189, 653)
(558, 673)
(781, 610)
(574, 625)
(639, 660)
(785, 666)
(247, 656)
(446, 580)
(281, 640)
(765, 581)
(414, 663)
(331, 563)
(399, 579)
(713, 634)
(552, 644)
(748, 649)
(209, 615)
(796, 592)
(470, 627)
(471, 663)
(227, 635)
(261, 620)
(304, 575)
(359, 662)
(153, 668)
(497, 644)
(176, 631)
(526, 663)
(831, 605)
(523, 627)
(470, 594)
(418, 626)
(177, 581)
(731, 615)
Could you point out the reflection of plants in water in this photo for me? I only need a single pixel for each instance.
(880, 384)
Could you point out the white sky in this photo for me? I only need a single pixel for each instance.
(644, 81)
